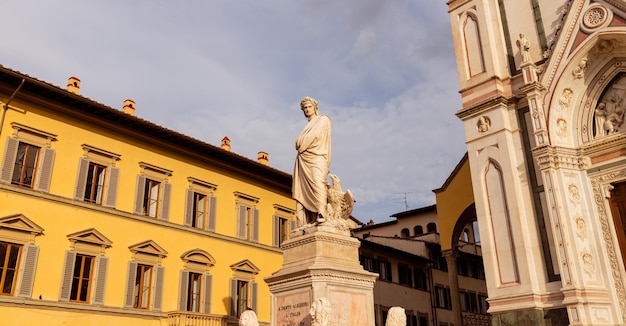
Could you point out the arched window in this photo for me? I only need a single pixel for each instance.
(405, 233)
(431, 227)
(465, 236)
(418, 229)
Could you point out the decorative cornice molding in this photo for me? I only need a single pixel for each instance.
(560, 158)
(484, 106)
(304, 240)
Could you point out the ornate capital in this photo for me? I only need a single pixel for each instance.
(550, 157)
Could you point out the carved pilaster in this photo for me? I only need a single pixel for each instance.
(570, 203)
(534, 92)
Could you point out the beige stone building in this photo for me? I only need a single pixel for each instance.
(543, 99)
(414, 274)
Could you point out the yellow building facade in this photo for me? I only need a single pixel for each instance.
(106, 218)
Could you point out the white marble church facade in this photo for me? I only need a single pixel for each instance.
(543, 85)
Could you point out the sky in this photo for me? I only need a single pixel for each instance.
(383, 71)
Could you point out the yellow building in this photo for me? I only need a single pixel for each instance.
(106, 218)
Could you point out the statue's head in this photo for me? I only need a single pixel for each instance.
(396, 317)
(248, 318)
(320, 311)
(308, 99)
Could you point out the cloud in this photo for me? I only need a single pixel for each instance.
(384, 72)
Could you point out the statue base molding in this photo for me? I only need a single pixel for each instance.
(319, 262)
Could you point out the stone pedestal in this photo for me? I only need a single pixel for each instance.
(320, 261)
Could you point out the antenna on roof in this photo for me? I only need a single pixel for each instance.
(405, 200)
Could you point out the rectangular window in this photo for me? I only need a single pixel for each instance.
(367, 263)
(243, 297)
(143, 281)
(420, 279)
(81, 278)
(25, 165)
(404, 275)
(442, 298)
(464, 296)
(482, 304)
(200, 209)
(423, 321)
(194, 290)
(248, 223)
(151, 198)
(463, 268)
(283, 230)
(383, 268)
(9, 256)
(95, 183)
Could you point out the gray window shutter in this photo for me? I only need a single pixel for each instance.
(189, 207)
(141, 186)
(130, 284)
(8, 160)
(292, 226)
(206, 294)
(275, 231)
(241, 225)
(103, 263)
(46, 169)
(184, 290)
(31, 253)
(233, 298)
(165, 208)
(253, 296)
(114, 177)
(255, 225)
(212, 213)
(158, 288)
(81, 179)
(66, 280)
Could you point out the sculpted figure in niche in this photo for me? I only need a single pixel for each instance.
(600, 118)
(396, 317)
(248, 318)
(312, 165)
(524, 48)
(320, 312)
(566, 98)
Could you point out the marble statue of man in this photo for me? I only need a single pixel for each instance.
(524, 48)
(320, 312)
(248, 318)
(396, 317)
(312, 165)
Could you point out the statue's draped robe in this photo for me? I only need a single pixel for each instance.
(312, 165)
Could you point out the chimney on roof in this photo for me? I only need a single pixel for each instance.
(73, 85)
(226, 143)
(263, 158)
(129, 107)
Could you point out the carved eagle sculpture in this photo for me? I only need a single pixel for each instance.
(340, 204)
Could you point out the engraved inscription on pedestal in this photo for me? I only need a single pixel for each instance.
(293, 309)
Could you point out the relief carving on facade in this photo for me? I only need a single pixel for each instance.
(581, 227)
(609, 113)
(561, 126)
(483, 124)
(588, 264)
(595, 17)
(566, 98)
(581, 68)
(574, 195)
